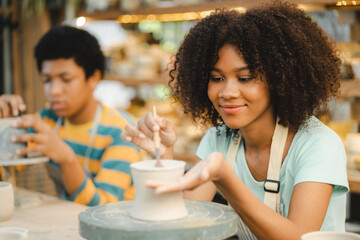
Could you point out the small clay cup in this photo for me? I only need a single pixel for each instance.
(6, 200)
(150, 206)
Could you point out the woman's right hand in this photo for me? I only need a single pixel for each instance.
(142, 135)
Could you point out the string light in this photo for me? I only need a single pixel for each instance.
(347, 3)
(80, 21)
(169, 17)
(188, 16)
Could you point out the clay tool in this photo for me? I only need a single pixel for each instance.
(157, 142)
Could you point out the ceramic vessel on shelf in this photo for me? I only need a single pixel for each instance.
(353, 150)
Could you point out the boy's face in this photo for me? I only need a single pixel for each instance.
(66, 87)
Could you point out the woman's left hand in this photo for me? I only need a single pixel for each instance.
(208, 169)
(45, 140)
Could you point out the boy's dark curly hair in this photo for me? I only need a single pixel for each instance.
(278, 41)
(69, 42)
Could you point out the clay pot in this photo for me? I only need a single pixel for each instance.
(150, 206)
(6, 200)
(7, 147)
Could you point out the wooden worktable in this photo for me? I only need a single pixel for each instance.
(45, 217)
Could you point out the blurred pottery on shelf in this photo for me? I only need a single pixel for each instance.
(129, 5)
(355, 64)
(356, 162)
(353, 150)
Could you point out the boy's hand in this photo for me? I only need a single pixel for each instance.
(46, 140)
(10, 105)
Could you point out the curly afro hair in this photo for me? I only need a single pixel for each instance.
(278, 41)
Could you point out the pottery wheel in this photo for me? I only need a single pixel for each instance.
(23, 161)
(206, 220)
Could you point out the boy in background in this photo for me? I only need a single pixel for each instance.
(90, 164)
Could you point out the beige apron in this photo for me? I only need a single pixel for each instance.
(271, 184)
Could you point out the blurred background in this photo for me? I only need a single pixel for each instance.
(139, 37)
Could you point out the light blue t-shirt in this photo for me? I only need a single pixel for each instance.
(316, 154)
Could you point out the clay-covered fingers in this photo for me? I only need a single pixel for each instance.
(187, 182)
(166, 128)
(30, 137)
(165, 187)
(17, 104)
(131, 133)
(32, 121)
(34, 149)
(136, 137)
(148, 125)
(10, 105)
(167, 132)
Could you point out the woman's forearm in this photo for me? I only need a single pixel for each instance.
(261, 220)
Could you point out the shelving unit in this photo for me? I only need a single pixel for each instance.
(354, 180)
(5, 10)
(350, 88)
(204, 6)
(131, 82)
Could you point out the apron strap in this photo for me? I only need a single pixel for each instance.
(232, 151)
(272, 183)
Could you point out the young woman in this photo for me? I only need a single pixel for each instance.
(258, 78)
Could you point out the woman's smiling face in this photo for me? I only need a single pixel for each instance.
(239, 97)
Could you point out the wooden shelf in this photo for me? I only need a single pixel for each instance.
(354, 180)
(132, 81)
(350, 88)
(344, 8)
(203, 6)
(5, 10)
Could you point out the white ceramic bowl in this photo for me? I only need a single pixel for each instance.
(330, 236)
(13, 233)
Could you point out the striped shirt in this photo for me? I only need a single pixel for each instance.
(109, 178)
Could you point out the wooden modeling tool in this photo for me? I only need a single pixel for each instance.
(157, 142)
